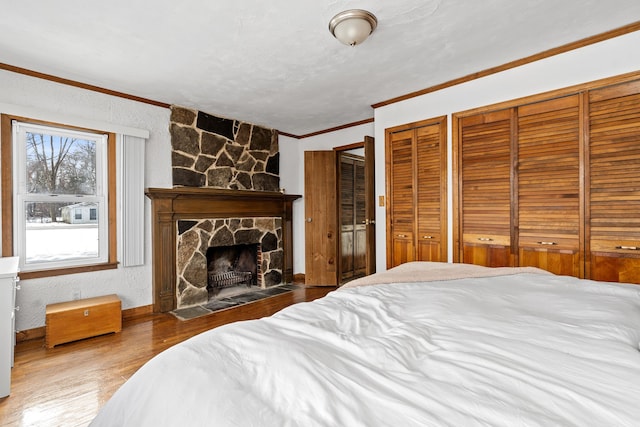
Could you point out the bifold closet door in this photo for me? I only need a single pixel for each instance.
(430, 186)
(614, 183)
(484, 188)
(400, 199)
(548, 181)
(353, 242)
(417, 192)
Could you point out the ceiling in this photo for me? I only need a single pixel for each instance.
(274, 63)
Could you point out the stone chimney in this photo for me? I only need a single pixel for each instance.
(209, 151)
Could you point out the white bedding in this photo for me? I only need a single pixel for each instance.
(525, 349)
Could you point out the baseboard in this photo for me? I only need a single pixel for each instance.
(40, 332)
(136, 312)
(298, 279)
(30, 334)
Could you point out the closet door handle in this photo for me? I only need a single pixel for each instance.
(547, 243)
(485, 239)
(427, 237)
(630, 248)
(401, 235)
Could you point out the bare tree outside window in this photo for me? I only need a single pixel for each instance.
(58, 165)
(60, 194)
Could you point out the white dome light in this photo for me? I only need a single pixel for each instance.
(353, 26)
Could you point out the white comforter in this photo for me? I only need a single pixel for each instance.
(515, 350)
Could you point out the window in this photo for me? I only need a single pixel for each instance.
(60, 193)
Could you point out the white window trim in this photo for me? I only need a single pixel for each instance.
(19, 130)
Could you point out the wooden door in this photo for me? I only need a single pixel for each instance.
(431, 184)
(417, 192)
(549, 203)
(370, 204)
(353, 239)
(613, 170)
(321, 224)
(400, 206)
(483, 192)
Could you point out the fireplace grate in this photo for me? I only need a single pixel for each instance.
(230, 278)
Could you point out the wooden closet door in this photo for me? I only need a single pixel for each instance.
(360, 224)
(549, 182)
(347, 209)
(400, 199)
(614, 183)
(353, 239)
(417, 192)
(430, 185)
(484, 188)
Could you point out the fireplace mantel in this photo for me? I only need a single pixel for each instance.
(172, 204)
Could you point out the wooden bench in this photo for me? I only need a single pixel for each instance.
(83, 318)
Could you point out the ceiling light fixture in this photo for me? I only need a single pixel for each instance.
(353, 26)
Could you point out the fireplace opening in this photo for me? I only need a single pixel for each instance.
(232, 269)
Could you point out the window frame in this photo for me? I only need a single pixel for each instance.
(9, 234)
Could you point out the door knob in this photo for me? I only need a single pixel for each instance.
(309, 219)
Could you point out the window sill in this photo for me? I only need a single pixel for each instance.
(25, 275)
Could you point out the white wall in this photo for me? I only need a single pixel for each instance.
(292, 174)
(609, 58)
(132, 284)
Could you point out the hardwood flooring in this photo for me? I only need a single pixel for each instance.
(68, 384)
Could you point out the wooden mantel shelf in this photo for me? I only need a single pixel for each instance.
(172, 204)
(216, 192)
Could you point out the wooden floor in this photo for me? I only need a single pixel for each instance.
(67, 385)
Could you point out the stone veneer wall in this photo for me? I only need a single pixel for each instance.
(209, 151)
(196, 236)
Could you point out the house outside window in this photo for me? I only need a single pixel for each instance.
(60, 197)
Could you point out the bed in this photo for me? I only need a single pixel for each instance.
(423, 344)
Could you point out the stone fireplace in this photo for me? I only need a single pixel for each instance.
(210, 217)
(226, 179)
(216, 254)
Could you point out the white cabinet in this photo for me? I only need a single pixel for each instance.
(8, 286)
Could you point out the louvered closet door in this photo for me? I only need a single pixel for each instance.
(548, 182)
(429, 235)
(360, 228)
(485, 188)
(614, 169)
(401, 199)
(347, 210)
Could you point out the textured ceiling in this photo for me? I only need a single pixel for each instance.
(274, 63)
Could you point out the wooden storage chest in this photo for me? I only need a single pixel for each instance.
(83, 318)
